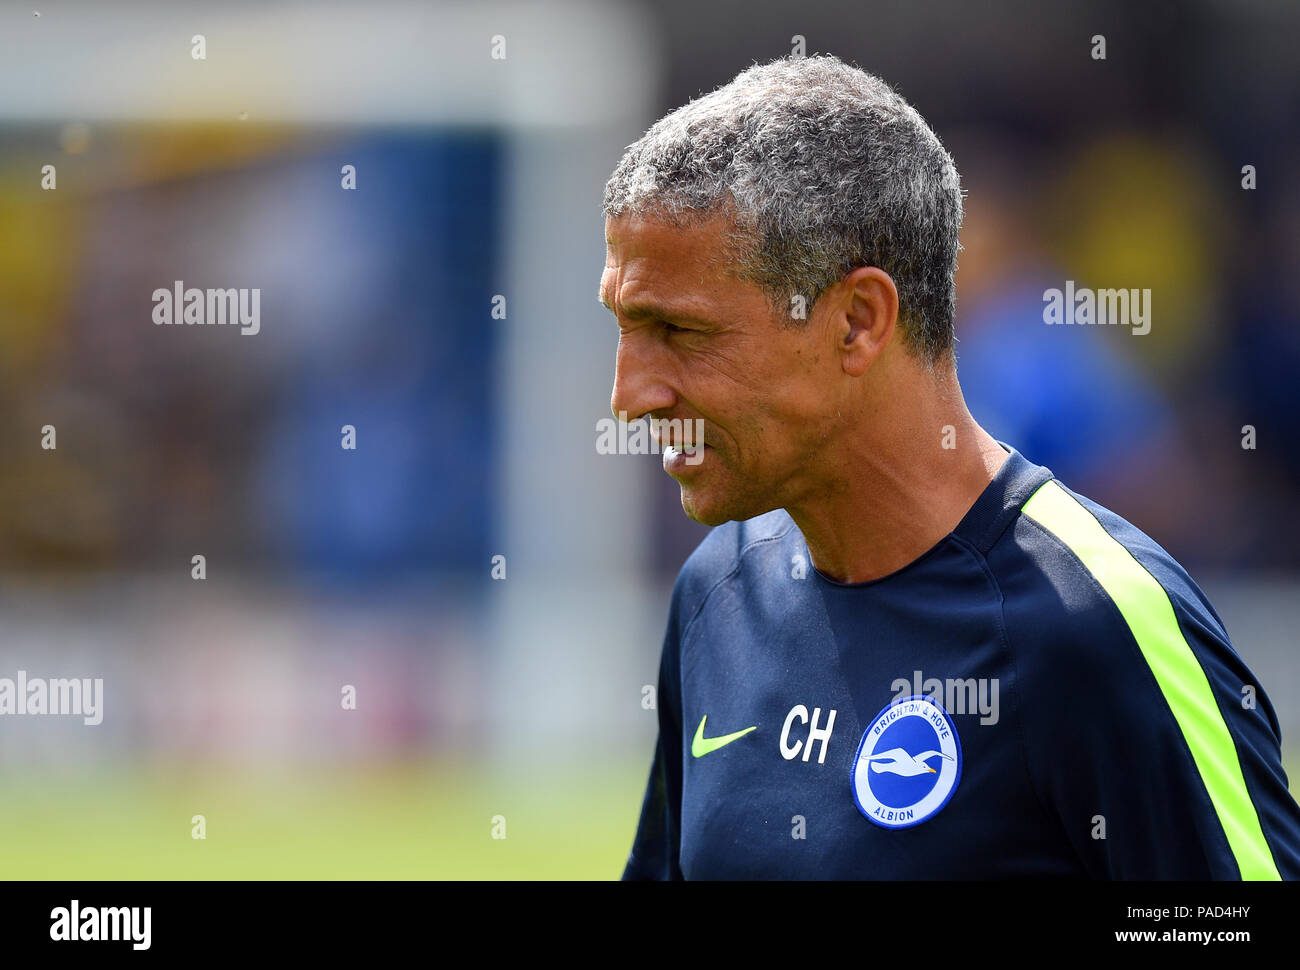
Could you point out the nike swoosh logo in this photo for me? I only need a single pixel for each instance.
(701, 745)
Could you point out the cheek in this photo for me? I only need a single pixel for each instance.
(794, 398)
(766, 439)
(769, 412)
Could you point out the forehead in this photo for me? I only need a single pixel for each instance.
(643, 251)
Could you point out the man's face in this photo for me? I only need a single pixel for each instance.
(697, 343)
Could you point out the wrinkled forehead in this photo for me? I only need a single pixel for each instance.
(647, 251)
(654, 262)
(702, 243)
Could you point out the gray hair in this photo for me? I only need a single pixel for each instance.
(823, 168)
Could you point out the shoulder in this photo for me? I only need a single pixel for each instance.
(754, 547)
(1131, 694)
(1086, 593)
(1111, 640)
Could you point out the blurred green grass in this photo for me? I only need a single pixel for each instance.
(391, 822)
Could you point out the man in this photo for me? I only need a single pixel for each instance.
(906, 651)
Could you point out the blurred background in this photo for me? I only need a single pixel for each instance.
(517, 700)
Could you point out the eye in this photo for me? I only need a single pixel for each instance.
(672, 327)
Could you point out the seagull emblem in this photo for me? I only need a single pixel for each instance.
(896, 761)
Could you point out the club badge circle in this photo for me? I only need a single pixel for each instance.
(908, 763)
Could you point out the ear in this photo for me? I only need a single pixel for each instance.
(864, 318)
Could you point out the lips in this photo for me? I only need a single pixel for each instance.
(678, 462)
(693, 452)
(670, 433)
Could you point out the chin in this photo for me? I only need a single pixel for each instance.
(705, 518)
(699, 508)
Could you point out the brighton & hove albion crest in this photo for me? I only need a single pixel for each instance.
(908, 764)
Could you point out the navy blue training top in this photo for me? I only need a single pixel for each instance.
(1044, 693)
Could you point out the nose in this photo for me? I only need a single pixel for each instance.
(639, 385)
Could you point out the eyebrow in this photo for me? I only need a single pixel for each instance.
(641, 311)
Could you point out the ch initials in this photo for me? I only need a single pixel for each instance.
(800, 713)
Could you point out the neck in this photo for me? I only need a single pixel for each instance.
(900, 480)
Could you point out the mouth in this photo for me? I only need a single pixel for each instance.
(682, 441)
(678, 459)
(675, 433)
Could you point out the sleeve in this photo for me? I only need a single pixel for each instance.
(656, 849)
(1154, 746)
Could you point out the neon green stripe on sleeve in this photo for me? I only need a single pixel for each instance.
(1145, 606)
